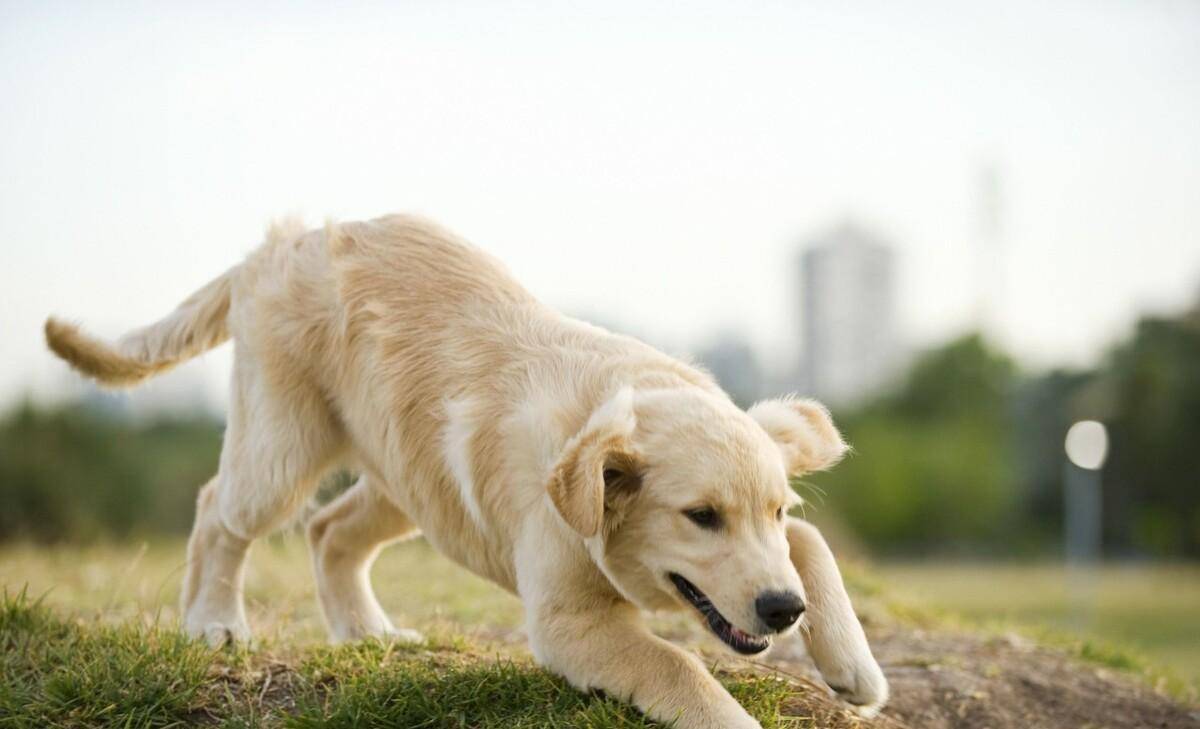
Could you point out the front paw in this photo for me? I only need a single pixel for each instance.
(403, 635)
(219, 635)
(734, 720)
(862, 684)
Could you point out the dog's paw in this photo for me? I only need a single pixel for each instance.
(734, 717)
(864, 686)
(402, 635)
(219, 635)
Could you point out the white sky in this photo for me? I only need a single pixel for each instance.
(656, 168)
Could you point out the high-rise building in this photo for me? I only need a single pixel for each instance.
(848, 314)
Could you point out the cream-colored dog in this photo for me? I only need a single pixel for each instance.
(586, 472)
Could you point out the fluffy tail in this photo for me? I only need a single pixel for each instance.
(197, 325)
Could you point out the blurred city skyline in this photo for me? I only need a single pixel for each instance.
(646, 171)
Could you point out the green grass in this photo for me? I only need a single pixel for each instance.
(99, 648)
(59, 672)
(140, 581)
(98, 645)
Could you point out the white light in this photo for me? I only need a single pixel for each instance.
(1087, 444)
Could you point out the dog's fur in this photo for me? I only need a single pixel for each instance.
(547, 455)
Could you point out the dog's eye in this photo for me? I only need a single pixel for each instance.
(779, 514)
(705, 516)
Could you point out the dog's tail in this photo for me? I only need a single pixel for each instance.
(197, 325)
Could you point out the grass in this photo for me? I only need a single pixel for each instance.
(140, 581)
(97, 645)
(59, 672)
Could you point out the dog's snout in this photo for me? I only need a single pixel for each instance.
(779, 610)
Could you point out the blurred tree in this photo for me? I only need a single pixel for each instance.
(933, 465)
(1152, 482)
(965, 453)
(73, 474)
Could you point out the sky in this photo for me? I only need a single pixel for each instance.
(652, 167)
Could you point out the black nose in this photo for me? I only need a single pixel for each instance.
(778, 610)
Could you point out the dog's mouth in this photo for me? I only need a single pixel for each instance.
(737, 639)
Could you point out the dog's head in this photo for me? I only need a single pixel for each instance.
(682, 499)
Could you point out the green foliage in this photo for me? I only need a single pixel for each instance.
(933, 462)
(965, 453)
(74, 473)
(1151, 398)
(965, 380)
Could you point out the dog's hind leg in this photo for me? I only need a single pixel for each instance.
(278, 442)
(345, 537)
(212, 585)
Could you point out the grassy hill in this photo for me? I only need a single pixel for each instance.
(92, 642)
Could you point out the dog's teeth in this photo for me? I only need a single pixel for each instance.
(736, 638)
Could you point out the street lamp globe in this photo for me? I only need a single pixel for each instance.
(1087, 444)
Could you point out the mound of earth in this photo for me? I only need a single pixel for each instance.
(950, 680)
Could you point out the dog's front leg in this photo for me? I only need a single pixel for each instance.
(604, 645)
(834, 636)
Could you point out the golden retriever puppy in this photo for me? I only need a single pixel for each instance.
(586, 472)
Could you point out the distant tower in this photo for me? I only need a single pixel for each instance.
(731, 359)
(848, 313)
(988, 261)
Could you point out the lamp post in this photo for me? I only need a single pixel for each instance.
(1086, 447)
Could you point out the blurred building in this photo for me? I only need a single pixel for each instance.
(731, 359)
(847, 307)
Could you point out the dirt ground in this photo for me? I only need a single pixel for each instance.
(952, 680)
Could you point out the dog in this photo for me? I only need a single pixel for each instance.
(584, 471)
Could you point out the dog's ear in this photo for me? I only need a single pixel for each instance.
(598, 466)
(804, 432)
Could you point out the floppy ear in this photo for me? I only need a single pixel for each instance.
(803, 431)
(599, 456)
